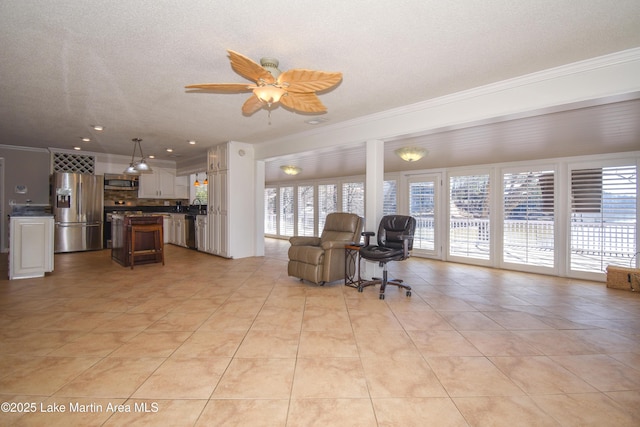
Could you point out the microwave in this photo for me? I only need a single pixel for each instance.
(121, 182)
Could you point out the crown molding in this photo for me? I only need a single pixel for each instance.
(21, 148)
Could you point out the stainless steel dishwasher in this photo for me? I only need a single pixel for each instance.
(190, 231)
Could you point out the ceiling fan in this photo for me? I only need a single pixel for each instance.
(295, 89)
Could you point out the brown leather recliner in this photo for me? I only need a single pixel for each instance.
(321, 259)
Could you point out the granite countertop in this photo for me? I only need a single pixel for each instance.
(30, 210)
(30, 215)
(137, 214)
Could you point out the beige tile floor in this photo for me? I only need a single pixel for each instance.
(205, 341)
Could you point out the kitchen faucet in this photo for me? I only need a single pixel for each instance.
(198, 202)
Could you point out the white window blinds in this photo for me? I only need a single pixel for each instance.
(286, 211)
(603, 217)
(422, 208)
(270, 211)
(469, 234)
(528, 222)
(353, 197)
(327, 203)
(305, 210)
(390, 198)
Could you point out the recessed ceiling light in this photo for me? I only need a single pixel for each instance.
(169, 150)
(97, 127)
(77, 148)
(152, 156)
(316, 121)
(192, 142)
(86, 139)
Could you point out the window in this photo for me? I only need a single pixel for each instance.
(327, 202)
(603, 217)
(390, 198)
(286, 212)
(528, 224)
(469, 234)
(353, 197)
(270, 211)
(306, 210)
(422, 206)
(201, 191)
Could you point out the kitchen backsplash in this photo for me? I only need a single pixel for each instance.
(132, 196)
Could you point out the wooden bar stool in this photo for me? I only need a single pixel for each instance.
(158, 247)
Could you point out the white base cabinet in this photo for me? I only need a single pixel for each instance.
(202, 233)
(176, 230)
(30, 246)
(166, 229)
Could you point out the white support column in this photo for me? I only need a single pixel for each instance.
(259, 225)
(374, 195)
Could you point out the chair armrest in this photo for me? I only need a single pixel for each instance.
(405, 245)
(304, 241)
(367, 236)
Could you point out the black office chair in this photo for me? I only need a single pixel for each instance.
(395, 240)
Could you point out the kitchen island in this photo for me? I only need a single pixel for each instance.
(148, 249)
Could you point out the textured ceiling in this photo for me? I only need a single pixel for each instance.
(66, 65)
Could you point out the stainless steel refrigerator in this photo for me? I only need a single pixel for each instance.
(77, 201)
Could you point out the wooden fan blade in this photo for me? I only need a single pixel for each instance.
(301, 80)
(223, 87)
(249, 69)
(306, 102)
(251, 105)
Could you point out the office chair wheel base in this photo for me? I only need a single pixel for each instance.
(360, 289)
(381, 296)
(408, 293)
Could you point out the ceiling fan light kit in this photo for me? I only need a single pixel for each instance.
(411, 154)
(269, 94)
(295, 89)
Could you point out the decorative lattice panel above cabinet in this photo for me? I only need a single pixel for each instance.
(77, 163)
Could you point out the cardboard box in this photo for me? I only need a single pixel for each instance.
(623, 278)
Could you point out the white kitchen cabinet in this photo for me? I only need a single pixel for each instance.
(232, 202)
(30, 246)
(177, 236)
(218, 158)
(202, 233)
(166, 228)
(160, 184)
(219, 213)
(182, 187)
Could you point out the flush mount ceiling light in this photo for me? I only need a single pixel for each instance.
(140, 166)
(291, 170)
(295, 89)
(411, 154)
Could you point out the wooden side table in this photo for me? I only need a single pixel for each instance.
(352, 265)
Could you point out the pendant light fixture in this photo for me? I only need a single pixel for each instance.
(140, 166)
(196, 183)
